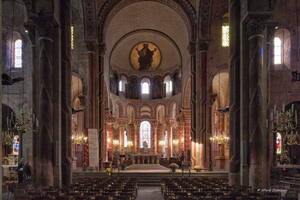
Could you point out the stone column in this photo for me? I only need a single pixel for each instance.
(47, 35)
(234, 83)
(155, 138)
(187, 134)
(66, 87)
(258, 134)
(137, 136)
(201, 101)
(211, 100)
(101, 109)
(1, 156)
(170, 140)
(121, 138)
(92, 75)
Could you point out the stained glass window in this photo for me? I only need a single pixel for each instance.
(225, 35)
(145, 134)
(278, 143)
(277, 51)
(18, 54)
(16, 145)
(72, 37)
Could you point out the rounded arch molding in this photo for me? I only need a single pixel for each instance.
(185, 9)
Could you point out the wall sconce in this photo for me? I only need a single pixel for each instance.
(176, 142)
(161, 142)
(108, 140)
(116, 142)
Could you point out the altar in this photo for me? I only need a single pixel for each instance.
(145, 158)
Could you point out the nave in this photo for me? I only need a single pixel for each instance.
(117, 187)
(198, 98)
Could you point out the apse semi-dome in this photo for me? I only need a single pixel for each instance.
(134, 51)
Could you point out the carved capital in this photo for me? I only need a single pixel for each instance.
(102, 49)
(46, 25)
(203, 46)
(192, 48)
(256, 25)
(91, 46)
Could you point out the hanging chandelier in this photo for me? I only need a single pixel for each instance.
(219, 139)
(79, 138)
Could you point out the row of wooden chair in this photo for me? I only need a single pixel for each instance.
(211, 189)
(89, 189)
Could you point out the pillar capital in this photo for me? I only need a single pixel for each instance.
(102, 49)
(255, 25)
(192, 48)
(46, 25)
(203, 45)
(91, 46)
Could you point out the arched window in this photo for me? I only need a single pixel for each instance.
(145, 134)
(121, 89)
(225, 35)
(145, 86)
(18, 53)
(122, 84)
(278, 143)
(277, 51)
(168, 85)
(125, 139)
(282, 49)
(225, 31)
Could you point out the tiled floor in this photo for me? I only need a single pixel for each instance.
(149, 193)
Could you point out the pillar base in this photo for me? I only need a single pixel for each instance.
(234, 178)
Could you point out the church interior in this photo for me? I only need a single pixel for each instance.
(174, 99)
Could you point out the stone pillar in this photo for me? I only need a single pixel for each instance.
(121, 138)
(258, 134)
(134, 138)
(104, 144)
(234, 83)
(201, 101)
(47, 35)
(66, 87)
(101, 97)
(155, 138)
(170, 140)
(137, 137)
(1, 156)
(92, 75)
(210, 102)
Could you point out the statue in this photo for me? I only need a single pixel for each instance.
(145, 57)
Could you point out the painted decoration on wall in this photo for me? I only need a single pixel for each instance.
(16, 145)
(145, 56)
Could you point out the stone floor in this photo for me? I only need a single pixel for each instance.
(149, 193)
